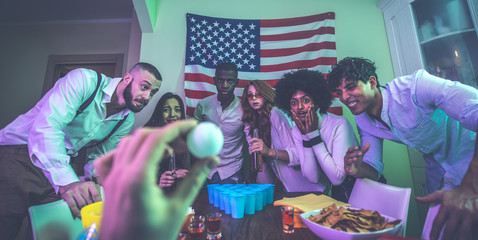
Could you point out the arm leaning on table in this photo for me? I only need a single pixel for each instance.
(46, 140)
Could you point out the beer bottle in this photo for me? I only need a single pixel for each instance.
(257, 156)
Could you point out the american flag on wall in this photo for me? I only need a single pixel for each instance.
(261, 49)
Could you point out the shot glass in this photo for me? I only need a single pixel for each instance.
(288, 219)
(197, 228)
(214, 226)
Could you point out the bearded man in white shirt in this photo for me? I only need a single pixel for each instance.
(84, 110)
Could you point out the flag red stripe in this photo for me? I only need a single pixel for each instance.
(299, 64)
(198, 77)
(298, 35)
(197, 94)
(190, 111)
(296, 21)
(336, 110)
(291, 51)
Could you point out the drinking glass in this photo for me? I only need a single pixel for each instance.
(288, 219)
(214, 226)
(196, 228)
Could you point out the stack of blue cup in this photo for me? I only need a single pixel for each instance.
(240, 199)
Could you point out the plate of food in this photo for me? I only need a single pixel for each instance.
(350, 223)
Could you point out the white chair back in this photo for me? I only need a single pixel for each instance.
(54, 218)
(386, 199)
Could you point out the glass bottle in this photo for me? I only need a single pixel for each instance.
(257, 156)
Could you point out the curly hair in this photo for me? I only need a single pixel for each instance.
(311, 82)
(157, 119)
(352, 69)
(259, 119)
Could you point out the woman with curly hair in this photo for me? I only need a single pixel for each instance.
(169, 109)
(321, 138)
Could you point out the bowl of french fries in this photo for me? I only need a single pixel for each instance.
(350, 223)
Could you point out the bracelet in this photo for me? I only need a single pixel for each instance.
(312, 142)
(277, 155)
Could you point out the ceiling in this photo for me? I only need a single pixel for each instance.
(39, 11)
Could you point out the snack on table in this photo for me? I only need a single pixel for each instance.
(350, 220)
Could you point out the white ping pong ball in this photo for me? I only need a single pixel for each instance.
(205, 140)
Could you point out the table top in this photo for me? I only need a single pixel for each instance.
(265, 224)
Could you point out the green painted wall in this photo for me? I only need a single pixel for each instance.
(153, 8)
(360, 31)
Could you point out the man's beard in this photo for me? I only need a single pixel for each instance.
(128, 98)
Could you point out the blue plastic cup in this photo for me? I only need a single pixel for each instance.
(250, 206)
(270, 193)
(227, 201)
(259, 199)
(264, 194)
(238, 202)
(216, 192)
(210, 194)
(222, 196)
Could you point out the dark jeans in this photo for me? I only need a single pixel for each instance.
(234, 179)
(21, 185)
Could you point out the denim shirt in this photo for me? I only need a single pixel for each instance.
(435, 116)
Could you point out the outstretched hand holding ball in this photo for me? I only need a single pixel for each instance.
(205, 140)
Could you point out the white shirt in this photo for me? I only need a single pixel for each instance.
(229, 121)
(53, 133)
(309, 169)
(436, 116)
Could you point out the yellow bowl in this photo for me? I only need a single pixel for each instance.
(92, 214)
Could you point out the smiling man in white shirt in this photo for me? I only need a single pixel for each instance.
(436, 116)
(83, 110)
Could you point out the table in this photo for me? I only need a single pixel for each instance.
(265, 224)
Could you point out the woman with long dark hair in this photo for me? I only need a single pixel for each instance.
(169, 109)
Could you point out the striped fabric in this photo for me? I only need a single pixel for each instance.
(261, 49)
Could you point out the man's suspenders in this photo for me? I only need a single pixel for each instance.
(79, 161)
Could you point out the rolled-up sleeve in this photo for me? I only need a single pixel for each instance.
(457, 100)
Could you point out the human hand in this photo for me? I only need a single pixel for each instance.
(135, 206)
(167, 179)
(459, 210)
(298, 122)
(311, 121)
(257, 145)
(353, 160)
(181, 173)
(79, 194)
